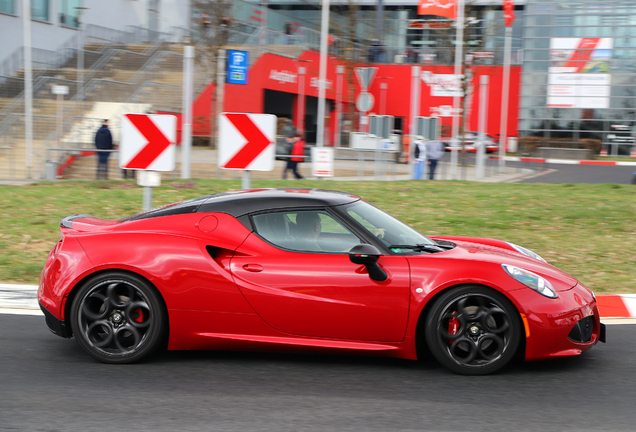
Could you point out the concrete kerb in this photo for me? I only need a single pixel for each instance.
(22, 300)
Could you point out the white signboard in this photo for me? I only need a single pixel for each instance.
(364, 141)
(579, 72)
(246, 141)
(443, 84)
(322, 161)
(148, 142)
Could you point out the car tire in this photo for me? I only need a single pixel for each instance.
(118, 317)
(473, 330)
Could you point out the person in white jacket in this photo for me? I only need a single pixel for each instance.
(420, 159)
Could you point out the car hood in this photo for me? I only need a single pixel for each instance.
(499, 252)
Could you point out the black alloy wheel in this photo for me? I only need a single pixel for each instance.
(473, 330)
(118, 318)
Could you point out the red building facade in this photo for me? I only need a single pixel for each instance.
(276, 85)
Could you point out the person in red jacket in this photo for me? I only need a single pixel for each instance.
(297, 156)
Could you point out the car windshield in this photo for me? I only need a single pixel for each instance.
(389, 230)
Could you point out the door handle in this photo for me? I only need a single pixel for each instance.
(255, 268)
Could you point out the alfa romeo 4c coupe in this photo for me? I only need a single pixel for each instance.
(306, 270)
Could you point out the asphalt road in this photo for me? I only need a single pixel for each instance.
(593, 174)
(565, 173)
(49, 384)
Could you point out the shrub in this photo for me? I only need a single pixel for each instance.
(530, 144)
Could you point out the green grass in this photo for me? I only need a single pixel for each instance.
(587, 230)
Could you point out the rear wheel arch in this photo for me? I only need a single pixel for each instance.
(68, 304)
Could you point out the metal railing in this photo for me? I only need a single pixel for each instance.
(79, 162)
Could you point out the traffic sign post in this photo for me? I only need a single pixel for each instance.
(365, 100)
(148, 144)
(246, 142)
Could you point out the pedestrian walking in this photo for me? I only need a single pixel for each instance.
(289, 29)
(296, 156)
(434, 152)
(103, 141)
(420, 159)
(288, 131)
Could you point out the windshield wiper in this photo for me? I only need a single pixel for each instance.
(421, 247)
(444, 244)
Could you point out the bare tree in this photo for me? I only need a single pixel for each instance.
(214, 22)
(475, 36)
(347, 48)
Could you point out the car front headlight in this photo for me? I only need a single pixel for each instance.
(531, 280)
(525, 251)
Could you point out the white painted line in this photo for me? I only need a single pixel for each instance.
(18, 287)
(20, 311)
(613, 321)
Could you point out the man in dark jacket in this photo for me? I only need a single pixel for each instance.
(103, 141)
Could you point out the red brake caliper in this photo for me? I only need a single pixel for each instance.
(453, 326)
(138, 315)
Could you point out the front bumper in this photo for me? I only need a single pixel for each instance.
(561, 327)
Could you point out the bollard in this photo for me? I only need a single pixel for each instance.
(51, 170)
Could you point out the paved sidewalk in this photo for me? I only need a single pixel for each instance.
(349, 166)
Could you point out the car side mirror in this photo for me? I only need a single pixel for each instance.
(368, 256)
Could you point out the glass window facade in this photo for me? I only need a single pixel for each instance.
(7, 6)
(569, 47)
(40, 10)
(69, 14)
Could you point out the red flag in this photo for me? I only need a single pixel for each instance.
(445, 8)
(509, 12)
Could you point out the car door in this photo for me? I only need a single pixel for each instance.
(303, 290)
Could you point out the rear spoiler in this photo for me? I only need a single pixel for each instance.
(67, 222)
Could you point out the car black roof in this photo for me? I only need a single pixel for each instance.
(239, 203)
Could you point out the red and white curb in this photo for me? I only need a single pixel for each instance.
(22, 300)
(617, 306)
(565, 161)
(19, 300)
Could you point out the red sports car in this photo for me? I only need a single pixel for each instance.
(306, 270)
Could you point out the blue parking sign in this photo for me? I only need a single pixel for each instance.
(237, 66)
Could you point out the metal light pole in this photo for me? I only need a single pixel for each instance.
(339, 72)
(503, 129)
(264, 21)
(379, 20)
(220, 95)
(80, 54)
(28, 87)
(186, 130)
(383, 87)
(415, 110)
(459, 45)
(322, 73)
(301, 100)
(483, 114)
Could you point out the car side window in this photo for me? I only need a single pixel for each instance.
(305, 231)
(275, 228)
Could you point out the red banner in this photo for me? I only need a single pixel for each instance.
(445, 8)
(509, 12)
